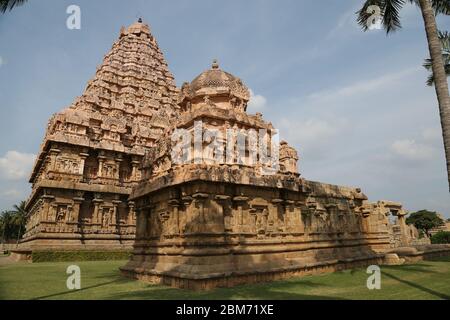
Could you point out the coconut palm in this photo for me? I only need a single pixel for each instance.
(390, 20)
(19, 219)
(10, 4)
(444, 37)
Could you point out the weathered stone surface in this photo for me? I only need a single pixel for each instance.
(222, 219)
(90, 156)
(203, 223)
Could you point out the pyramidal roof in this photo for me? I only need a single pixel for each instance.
(128, 103)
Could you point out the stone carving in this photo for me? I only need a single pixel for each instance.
(231, 217)
(97, 143)
(106, 174)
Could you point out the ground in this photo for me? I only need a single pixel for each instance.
(102, 280)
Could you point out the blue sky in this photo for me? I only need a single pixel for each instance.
(354, 104)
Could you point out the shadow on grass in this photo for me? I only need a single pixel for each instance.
(417, 286)
(422, 268)
(116, 281)
(275, 291)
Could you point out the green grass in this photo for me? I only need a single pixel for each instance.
(102, 280)
(62, 256)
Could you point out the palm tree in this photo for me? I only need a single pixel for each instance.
(19, 219)
(6, 225)
(444, 37)
(390, 19)
(10, 4)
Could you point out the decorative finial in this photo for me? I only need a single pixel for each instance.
(140, 20)
(215, 64)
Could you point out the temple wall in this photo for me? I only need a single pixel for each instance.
(204, 230)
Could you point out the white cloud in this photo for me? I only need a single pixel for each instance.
(364, 87)
(16, 165)
(2, 62)
(257, 102)
(412, 150)
(313, 136)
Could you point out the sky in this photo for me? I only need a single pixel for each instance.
(354, 104)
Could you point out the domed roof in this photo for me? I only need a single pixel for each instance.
(215, 78)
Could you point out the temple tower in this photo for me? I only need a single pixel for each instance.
(91, 152)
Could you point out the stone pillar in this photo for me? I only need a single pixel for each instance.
(53, 153)
(277, 206)
(46, 207)
(298, 214)
(101, 160)
(131, 213)
(200, 199)
(76, 209)
(118, 161)
(115, 219)
(240, 201)
(187, 201)
(95, 216)
(134, 169)
(175, 204)
(222, 201)
(83, 157)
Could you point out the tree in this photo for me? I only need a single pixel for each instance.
(20, 219)
(444, 37)
(390, 20)
(425, 220)
(12, 223)
(10, 4)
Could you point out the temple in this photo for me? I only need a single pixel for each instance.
(214, 209)
(89, 159)
(199, 189)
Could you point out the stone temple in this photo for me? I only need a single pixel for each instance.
(89, 159)
(109, 175)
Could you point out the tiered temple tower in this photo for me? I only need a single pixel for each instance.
(89, 159)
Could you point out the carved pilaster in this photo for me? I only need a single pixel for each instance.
(175, 204)
(118, 161)
(200, 199)
(75, 216)
(83, 157)
(275, 216)
(115, 219)
(101, 161)
(134, 169)
(131, 213)
(53, 153)
(223, 202)
(96, 215)
(47, 199)
(240, 201)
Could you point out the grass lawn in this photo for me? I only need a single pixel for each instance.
(102, 280)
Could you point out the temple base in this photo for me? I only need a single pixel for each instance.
(208, 282)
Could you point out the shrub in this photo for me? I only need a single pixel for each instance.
(64, 256)
(441, 237)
